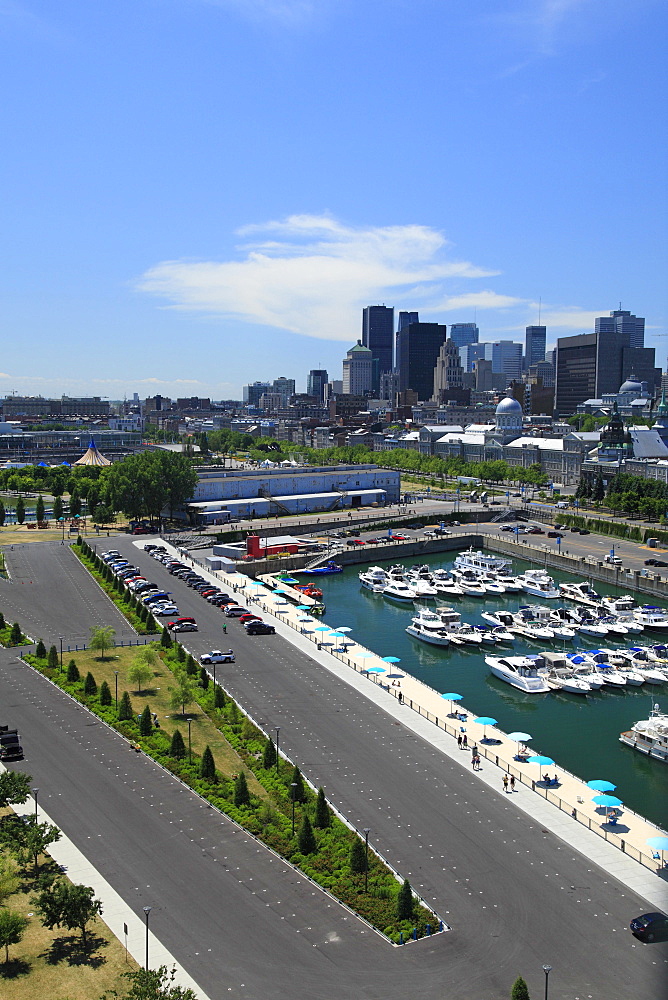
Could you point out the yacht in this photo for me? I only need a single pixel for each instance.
(652, 618)
(491, 585)
(649, 736)
(424, 590)
(398, 590)
(563, 679)
(519, 671)
(510, 583)
(619, 661)
(445, 583)
(542, 616)
(502, 634)
(487, 634)
(428, 627)
(469, 583)
(537, 583)
(375, 579)
(586, 672)
(481, 562)
(582, 592)
(587, 624)
(525, 624)
(636, 657)
(632, 626)
(613, 625)
(618, 605)
(598, 660)
(501, 619)
(465, 633)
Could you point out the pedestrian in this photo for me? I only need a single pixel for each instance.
(224, 629)
(512, 782)
(473, 763)
(459, 741)
(477, 762)
(465, 741)
(505, 782)
(401, 697)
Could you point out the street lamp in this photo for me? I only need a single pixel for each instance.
(366, 864)
(147, 910)
(293, 785)
(35, 791)
(190, 746)
(61, 653)
(278, 729)
(117, 673)
(547, 969)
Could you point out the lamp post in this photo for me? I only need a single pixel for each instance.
(214, 679)
(147, 910)
(35, 791)
(190, 746)
(547, 969)
(278, 729)
(61, 653)
(366, 863)
(117, 673)
(293, 785)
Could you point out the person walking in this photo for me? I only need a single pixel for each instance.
(505, 782)
(459, 741)
(512, 782)
(473, 760)
(401, 697)
(465, 741)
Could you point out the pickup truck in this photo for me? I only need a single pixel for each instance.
(10, 745)
(217, 656)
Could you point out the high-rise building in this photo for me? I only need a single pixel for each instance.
(534, 351)
(389, 386)
(317, 380)
(591, 364)
(406, 318)
(543, 370)
(358, 371)
(507, 358)
(378, 337)
(449, 376)
(285, 387)
(253, 392)
(418, 346)
(463, 334)
(471, 353)
(624, 322)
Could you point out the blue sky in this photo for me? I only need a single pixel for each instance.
(201, 193)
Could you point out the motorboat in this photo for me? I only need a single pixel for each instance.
(509, 583)
(540, 615)
(632, 626)
(649, 736)
(445, 583)
(428, 627)
(617, 660)
(533, 627)
(487, 634)
(520, 672)
(469, 583)
(375, 579)
(657, 654)
(613, 625)
(502, 619)
(586, 672)
(637, 659)
(587, 624)
(618, 605)
(598, 660)
(537, 583)
(465, 633)
(563, 679)
(581, 592)
(652, 618)
(481, 562)
(398, 590)
(502, 634)
(329, 567)
(424, 590)
(491, 585)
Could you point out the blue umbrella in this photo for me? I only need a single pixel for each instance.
(452, 697)
(659, 843)
(540, 760)
(485, 720)
(376, 670)
(364, 656)
(599, 785)
(520, 737)
(322, 628)
(280, 590)
(607, 800)
(303, 607)
(391, 659)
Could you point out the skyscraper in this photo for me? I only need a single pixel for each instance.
(357, 370)
(285, 387)
(624, 322)
(418, 345)
(378, 336)
(317, 380)
(591, 364)
(507, 358)
(253, 392)
(534, 351)
(464, 334)
(471, 353)
(406, 318)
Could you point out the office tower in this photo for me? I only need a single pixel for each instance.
(464, 334)
(591, 364)
(357, 371)
(317, 380)
(534, 351)
(543, 370)
(285, 387)
(378, 337)
(623, 322)
(389, 386)
(507, 358)
(406, 318)
(418, 345)
(253, 392)
(449, 376)
(471, 353)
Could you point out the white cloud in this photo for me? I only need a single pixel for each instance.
(570, 317)
(475, 300)
(312, 275)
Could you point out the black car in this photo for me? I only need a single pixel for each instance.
(655, 562)
(585, 531)
(650, 927)
(259, 628)
(554, 534)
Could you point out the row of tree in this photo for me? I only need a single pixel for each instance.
(627, 494)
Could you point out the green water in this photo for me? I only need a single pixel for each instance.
(579, 733)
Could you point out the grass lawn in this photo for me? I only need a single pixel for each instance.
(157, 697)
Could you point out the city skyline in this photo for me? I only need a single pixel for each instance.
(171, 216)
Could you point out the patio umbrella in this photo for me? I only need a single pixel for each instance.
(398, 677)
(540, 760)
(658, 844)
(364, 656)
(322, 628)
(303, 607)
(607, 800)
(344, 628)
(452, 697)
(599, 785)
(520, 737)
(280, 590)
(485, 720)
(376, 670)
(391, 659)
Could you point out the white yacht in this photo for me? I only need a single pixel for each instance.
(613, 625)
(374, 578)
(649, 736)
(541, 616)
(598, 659)
(510, 583)
(587, 671)
(618, 605)
(502, 634)
(424, 590)
(445, 583)
(469, 583)
(563, 679)
(465, 633)
(652, 618)
(502, 619)
(398, 590)
(581, 592)
(525, 624)
(637, 660)
(632, 626)
(428, 627)
(537, 583)
(487, 634)
(587, 624)
(491, 585)
(481, 562)
(619, 661)
(518, 671)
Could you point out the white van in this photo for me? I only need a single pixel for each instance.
(562, 505)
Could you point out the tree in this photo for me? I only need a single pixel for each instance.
(203, 678)
(70, 906)
(90, 685)
(10, 881)
(125, 710)
(15, 788)
(58, 508)
(269, 755)
(75, 504)
(146, 722)
(102, 638)
(20, 510)
(183, 694)
(405, 902)
(299, 793)
(218, 697)
(181, 654)
(12, 927)
(2, 513)
(105, 694)
(177, 747)
(28, 839)
(207, 769)
(165, 639)
(520, 990)
(16, 635)
(357, 857)
(40, 650)
(323, 817)
(191, 665)
(598, 492)
(39, 508)
(142, 667)
(3, 624)
(151, 984)
(241, 793)
(73, 674)
(306, 841)
(53, 659)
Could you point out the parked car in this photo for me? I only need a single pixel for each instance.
(535, 531)
(216, 656)
(181, 621)
(554, 534)
(399, 537)
(234, 611)
(184, 627)
(259, 628)
(650, 927)
(248, 617)
(655, 562)
(585, 531)
(164, 610)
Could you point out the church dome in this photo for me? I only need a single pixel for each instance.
(631, 385)
(507, 406)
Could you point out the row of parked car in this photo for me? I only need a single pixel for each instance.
(159, 602)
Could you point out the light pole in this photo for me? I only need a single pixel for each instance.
(190, 746)
(547, 969)
(117, 673)
(61, 653)
(293, 785)
(147, 910)
(366, 863)
(278, 729)
(35, 791)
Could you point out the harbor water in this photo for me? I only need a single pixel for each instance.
(580, 733)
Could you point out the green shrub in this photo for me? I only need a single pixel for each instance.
(73, 674)
(306, 840)
(90, 686)
(125, 711)
(207, 767)
(105, 694)
(520, 990)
